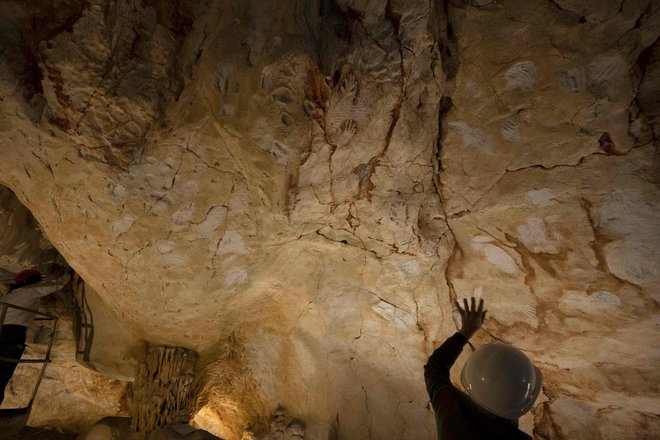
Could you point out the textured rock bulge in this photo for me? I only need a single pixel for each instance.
(299, 190)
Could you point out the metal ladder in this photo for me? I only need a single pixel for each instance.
(13, 420)
(75, 300)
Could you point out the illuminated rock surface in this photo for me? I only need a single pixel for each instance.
(70, 397)
(299, 190)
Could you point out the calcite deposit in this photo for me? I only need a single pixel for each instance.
(298, 191)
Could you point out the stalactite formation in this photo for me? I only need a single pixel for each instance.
(162, 393)
(280, 427)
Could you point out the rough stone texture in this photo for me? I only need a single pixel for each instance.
(163, 389)
(119, 428)
(298, 190)
(70, 398)
(22, 242)
(105, 344)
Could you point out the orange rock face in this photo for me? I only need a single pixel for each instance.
(299, 191)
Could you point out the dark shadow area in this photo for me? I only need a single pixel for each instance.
(41, 434)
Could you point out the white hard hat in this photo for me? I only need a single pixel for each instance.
(502, 380)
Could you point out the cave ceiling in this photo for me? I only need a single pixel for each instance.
(299, 190)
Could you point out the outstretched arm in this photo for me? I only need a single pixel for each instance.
(48, 286)
(436, 371)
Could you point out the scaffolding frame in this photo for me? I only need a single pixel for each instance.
(46, 360)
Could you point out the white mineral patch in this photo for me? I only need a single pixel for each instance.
(227, 110)
(399, 317)
(165, 247)
(472, 137)
(471, 88)
(229, 260)
(510, 130)
(533, 232)
(175, 259)
(499, 258)
(117, 192)
(481, 239)
(235, 276)
(231, 243)
(183, 215)
(521, 76)
(200, 167)
(606, 298)
(122, 226)
(628, 214)
(633, 260)
(541, 197)
(169, 162)
(571, 80)
(607, 70)
(531, 313)
(410, 268)
(576, 303)
(190, 188)
(215, 217)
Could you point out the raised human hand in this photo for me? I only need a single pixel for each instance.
(471, 318)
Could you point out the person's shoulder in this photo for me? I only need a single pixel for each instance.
(24, 291)
(448, 397)
(13, 292)
(12, 295)
(517, 434)
(456, 397)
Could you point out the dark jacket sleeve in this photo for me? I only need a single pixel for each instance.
(436, 370)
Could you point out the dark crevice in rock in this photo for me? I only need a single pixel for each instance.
(445, 106)
(448, 51)
(647, 99)
(606, 144)
(53, 19)
(23, 29)
(573, 14)
(330, 33)
(545, 427)
(453, 268)
(366, 171)
(447, 47)
(117, 75)
(543, 260)
(600, 241)
(345, 242)
(20, 57)
(446, 38)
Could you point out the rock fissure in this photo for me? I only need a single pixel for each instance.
(325, 180)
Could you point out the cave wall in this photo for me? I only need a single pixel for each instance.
(299, 190)
(22, 242)
(71, 397)
(105, 343)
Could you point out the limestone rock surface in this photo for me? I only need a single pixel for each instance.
(71, 397)
(300, 190)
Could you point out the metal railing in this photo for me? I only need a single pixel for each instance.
(75, 299)
(45, 361)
